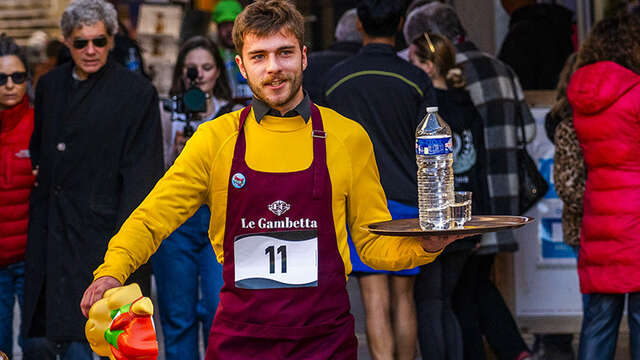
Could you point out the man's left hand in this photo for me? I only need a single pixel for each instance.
(95, 291)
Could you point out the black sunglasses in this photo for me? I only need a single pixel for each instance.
(16, 77)
(82, 43)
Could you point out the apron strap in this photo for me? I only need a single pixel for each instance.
(241, 143)
(318, 134)
(319, 153)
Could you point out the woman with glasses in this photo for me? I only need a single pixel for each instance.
(16, 180)
(188, 275)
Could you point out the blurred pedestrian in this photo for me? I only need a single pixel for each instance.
(439, 332)
(224, 16)
(348, 42)
(604, 93)
(51, 52)
(16, 181)
(538, 42)
(127, 52)
(97, 151)
(360, 88)
(187, 275)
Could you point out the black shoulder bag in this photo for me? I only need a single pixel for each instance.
(532, 186)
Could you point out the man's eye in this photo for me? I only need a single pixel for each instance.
(207, 67)
(286, 52)
(257, 57)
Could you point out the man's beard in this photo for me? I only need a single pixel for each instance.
(295, 82)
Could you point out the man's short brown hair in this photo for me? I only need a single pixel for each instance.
(267, 17)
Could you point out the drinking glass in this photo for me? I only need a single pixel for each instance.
(461, 208)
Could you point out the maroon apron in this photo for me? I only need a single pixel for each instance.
(284, 293)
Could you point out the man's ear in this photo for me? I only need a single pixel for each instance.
(304, 57)
(243, 71)
(430, 68)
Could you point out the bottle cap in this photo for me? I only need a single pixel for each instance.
(432, 109)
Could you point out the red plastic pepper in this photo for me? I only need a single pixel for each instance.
(132, 335)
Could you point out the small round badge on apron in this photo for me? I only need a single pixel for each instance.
(238, 180)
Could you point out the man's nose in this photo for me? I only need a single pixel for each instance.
(10, 84)
(91, 49)
(273, 65)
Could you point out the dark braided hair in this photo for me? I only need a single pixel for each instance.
(8, 47)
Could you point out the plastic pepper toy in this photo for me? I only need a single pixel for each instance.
(120, 325)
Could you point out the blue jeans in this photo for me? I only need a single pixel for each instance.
(42, 349)
(600, 323)
(11, 286)
(189, 279)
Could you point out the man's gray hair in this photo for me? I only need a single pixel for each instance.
(88, 12)
(347, 30)
(436, 18)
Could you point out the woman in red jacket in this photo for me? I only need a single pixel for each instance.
(16, 180)
(605, 96)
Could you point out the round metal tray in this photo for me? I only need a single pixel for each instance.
(477, 225)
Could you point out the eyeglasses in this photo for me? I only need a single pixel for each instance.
(16, 77)
(82, 43)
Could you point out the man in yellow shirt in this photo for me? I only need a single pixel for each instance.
(282, 177)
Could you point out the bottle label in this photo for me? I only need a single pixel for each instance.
(434, 145)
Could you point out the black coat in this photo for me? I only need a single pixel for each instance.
(320, 62)
(98, 145)
(388, 96)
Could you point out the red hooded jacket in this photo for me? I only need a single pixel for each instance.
(606, 102)
(16, 180)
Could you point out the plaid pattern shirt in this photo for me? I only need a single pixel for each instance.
(496, 93)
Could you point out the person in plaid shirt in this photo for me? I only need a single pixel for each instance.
(497, 94)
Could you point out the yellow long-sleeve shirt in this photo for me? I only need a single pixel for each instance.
(201, 175)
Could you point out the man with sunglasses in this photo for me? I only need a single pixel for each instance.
(97, 151)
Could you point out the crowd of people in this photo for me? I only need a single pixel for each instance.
(98, 181)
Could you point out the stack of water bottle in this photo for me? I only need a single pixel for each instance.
(440, 206)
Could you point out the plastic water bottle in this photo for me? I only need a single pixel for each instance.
(435, 173)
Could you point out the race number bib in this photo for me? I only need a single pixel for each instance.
(276, 260)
